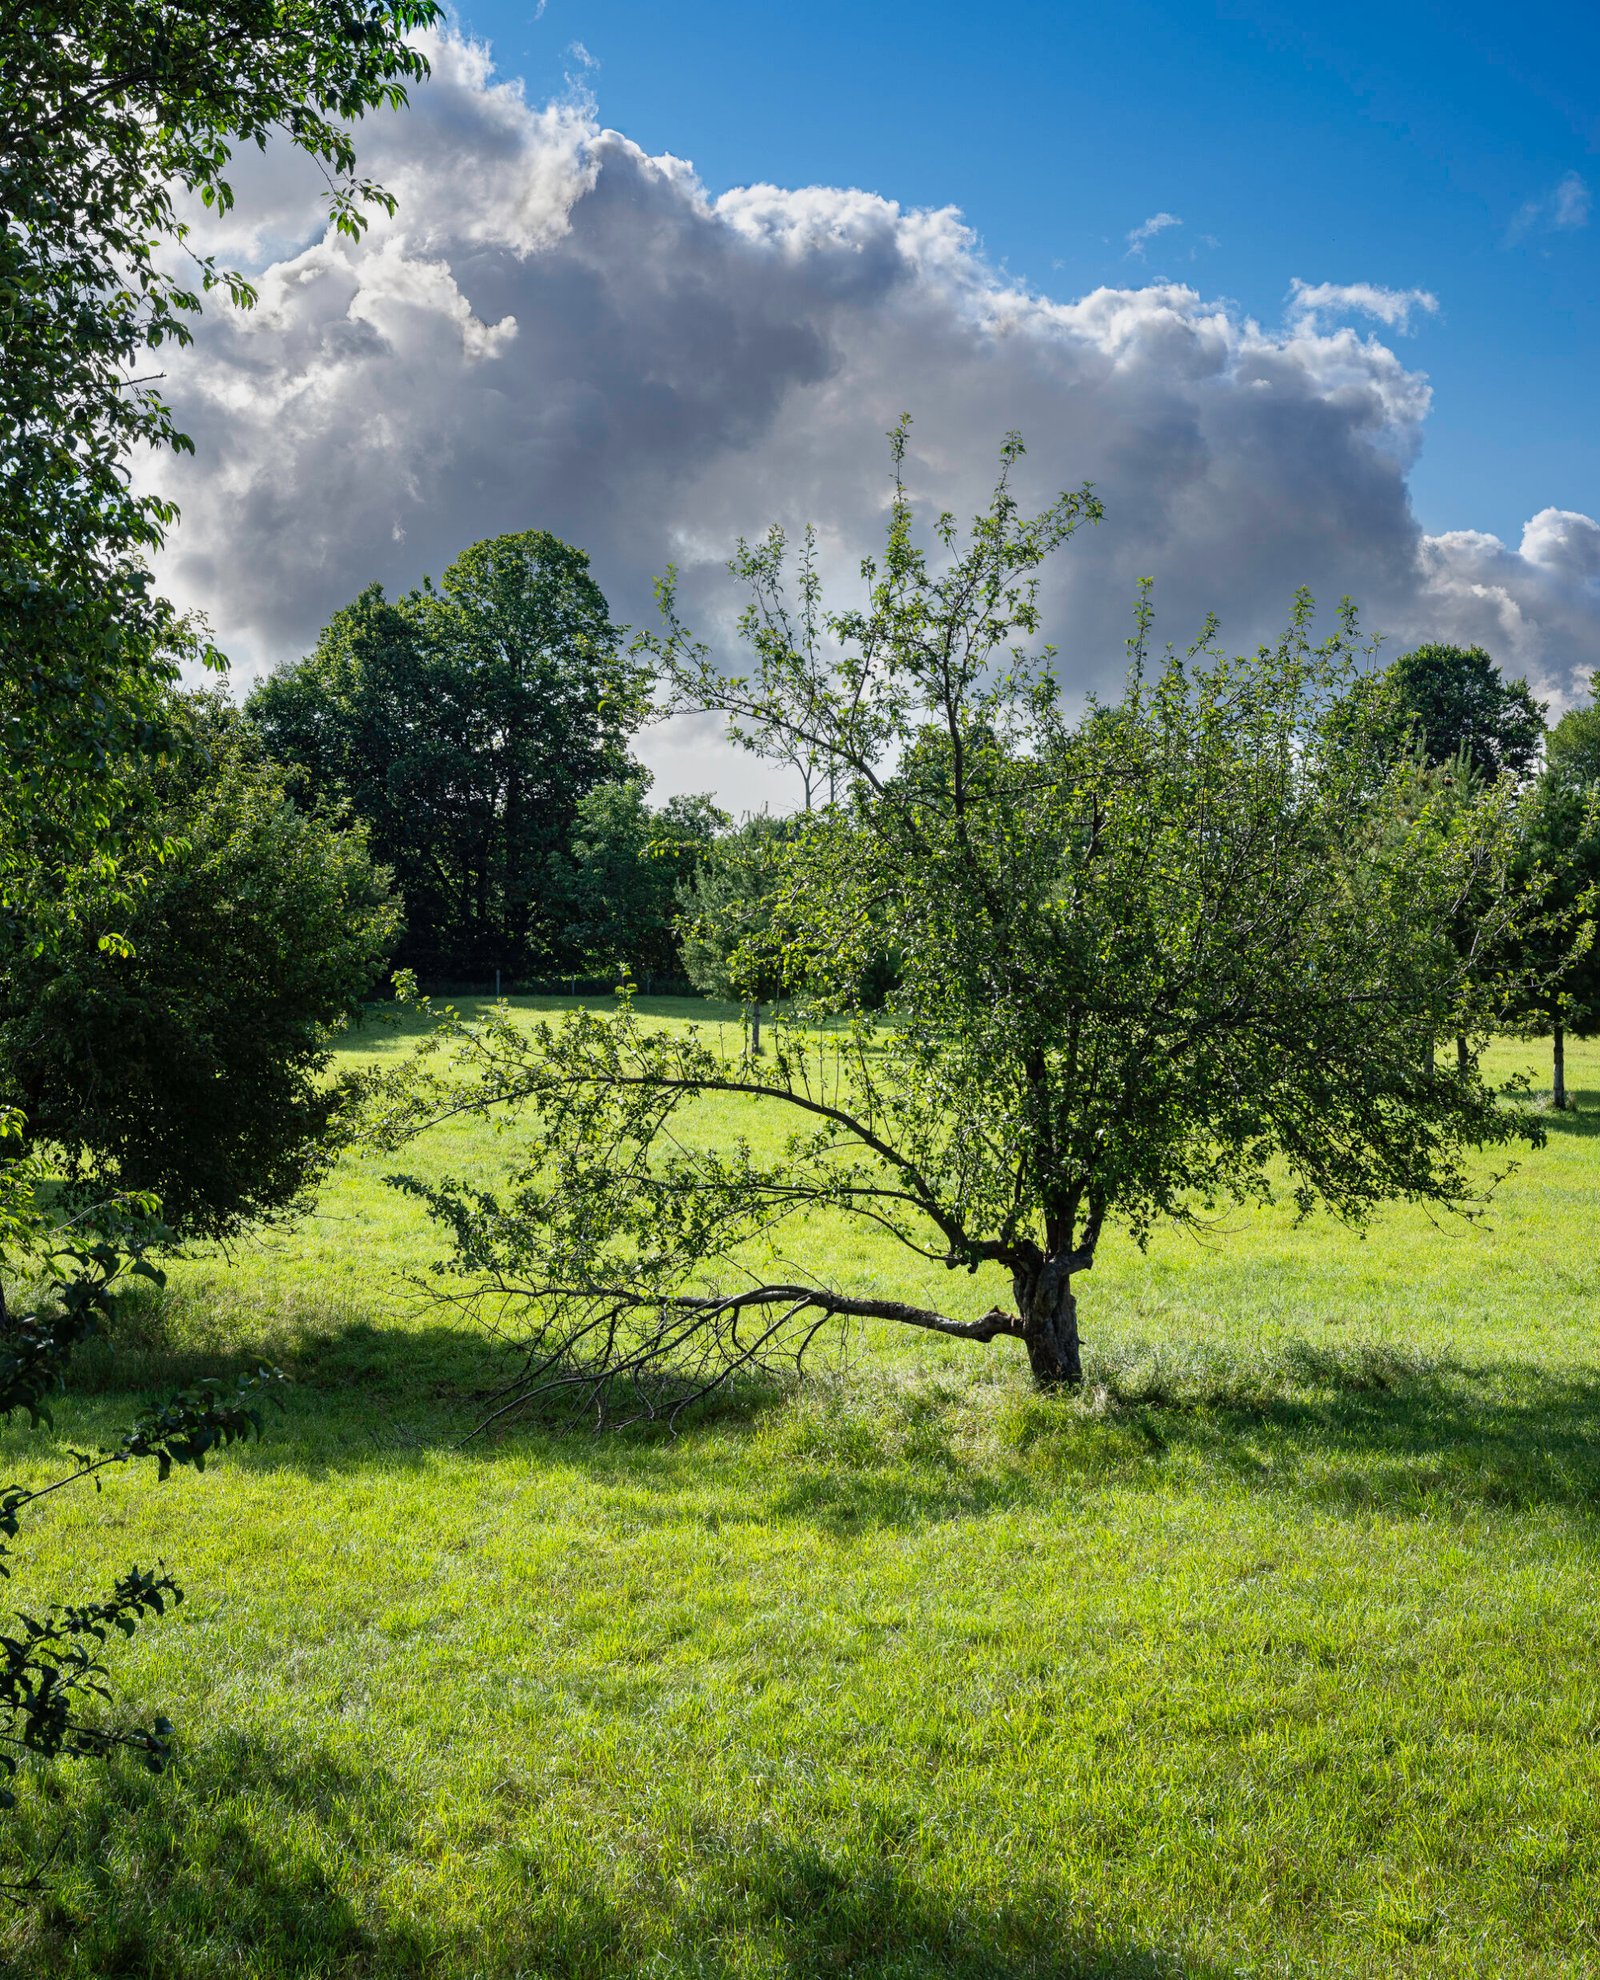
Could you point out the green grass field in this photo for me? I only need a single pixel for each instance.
(1276, 1652)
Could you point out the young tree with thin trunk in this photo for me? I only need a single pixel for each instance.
(1176, 954)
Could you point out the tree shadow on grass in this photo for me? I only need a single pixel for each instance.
(253, 1858)
(876, 1921)
(1347, 1427)
(235, 1861)
(147, 1350)
(1347, 1430)
(1579, 1119)
(1377, 1427)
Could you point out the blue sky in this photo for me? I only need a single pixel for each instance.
(1447, 148)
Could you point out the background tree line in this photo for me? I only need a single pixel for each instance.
(445, 784)
(479, 731)
(1196, 945)
(478, 728)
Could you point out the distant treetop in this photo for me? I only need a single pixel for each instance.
(1458, 701)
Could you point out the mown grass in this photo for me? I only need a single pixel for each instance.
(1273, 1653)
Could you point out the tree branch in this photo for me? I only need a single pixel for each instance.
(841, 1306)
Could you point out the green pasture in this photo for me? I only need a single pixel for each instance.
(1275, 1652)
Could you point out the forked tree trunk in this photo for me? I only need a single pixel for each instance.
(1558, 1083)
(1049, 1315)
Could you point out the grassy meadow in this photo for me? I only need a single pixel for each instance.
(1275, 1652)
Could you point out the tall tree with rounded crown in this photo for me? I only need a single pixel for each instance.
(1459, 705)
(464, 724)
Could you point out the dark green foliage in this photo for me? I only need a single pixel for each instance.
(725, 908)
(1456, 702)
(1572, 748)
(193, 1067)
(1148, 961)
(1558, 953)
(1562, 847)
(630, 865)
(1450, 708)
(108, 111)
(463, 724)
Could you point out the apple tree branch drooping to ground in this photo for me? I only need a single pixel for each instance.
(1190, 950)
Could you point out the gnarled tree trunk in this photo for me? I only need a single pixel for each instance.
(1049, 1316)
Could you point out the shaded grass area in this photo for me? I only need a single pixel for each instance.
(1275, 1652)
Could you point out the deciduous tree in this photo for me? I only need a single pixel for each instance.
(112, 112)
(1557, 953)
(1177, 954)
(464, 723)
(1457, 703)
(631, 863)
(731, 948)
(193, 1066)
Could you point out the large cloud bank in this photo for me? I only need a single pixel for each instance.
(559, 331)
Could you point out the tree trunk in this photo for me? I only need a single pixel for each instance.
(755, 1031)
(1558, 1084)
(1463, 1057)
(1049, 1323)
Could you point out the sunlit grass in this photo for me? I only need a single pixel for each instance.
(1274, 1653)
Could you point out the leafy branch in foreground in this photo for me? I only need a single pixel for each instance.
(1190, 950)
(51, 1668)
(116, 116)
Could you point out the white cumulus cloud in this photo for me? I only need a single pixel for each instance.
(557, 330)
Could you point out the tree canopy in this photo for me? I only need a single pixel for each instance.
(1149, 963)
(1572, 748)
(113, 114)
(1458, 705)
(631, 864)
(464, 723)
(193, 1068)
(1557, 951)
(726, 926)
